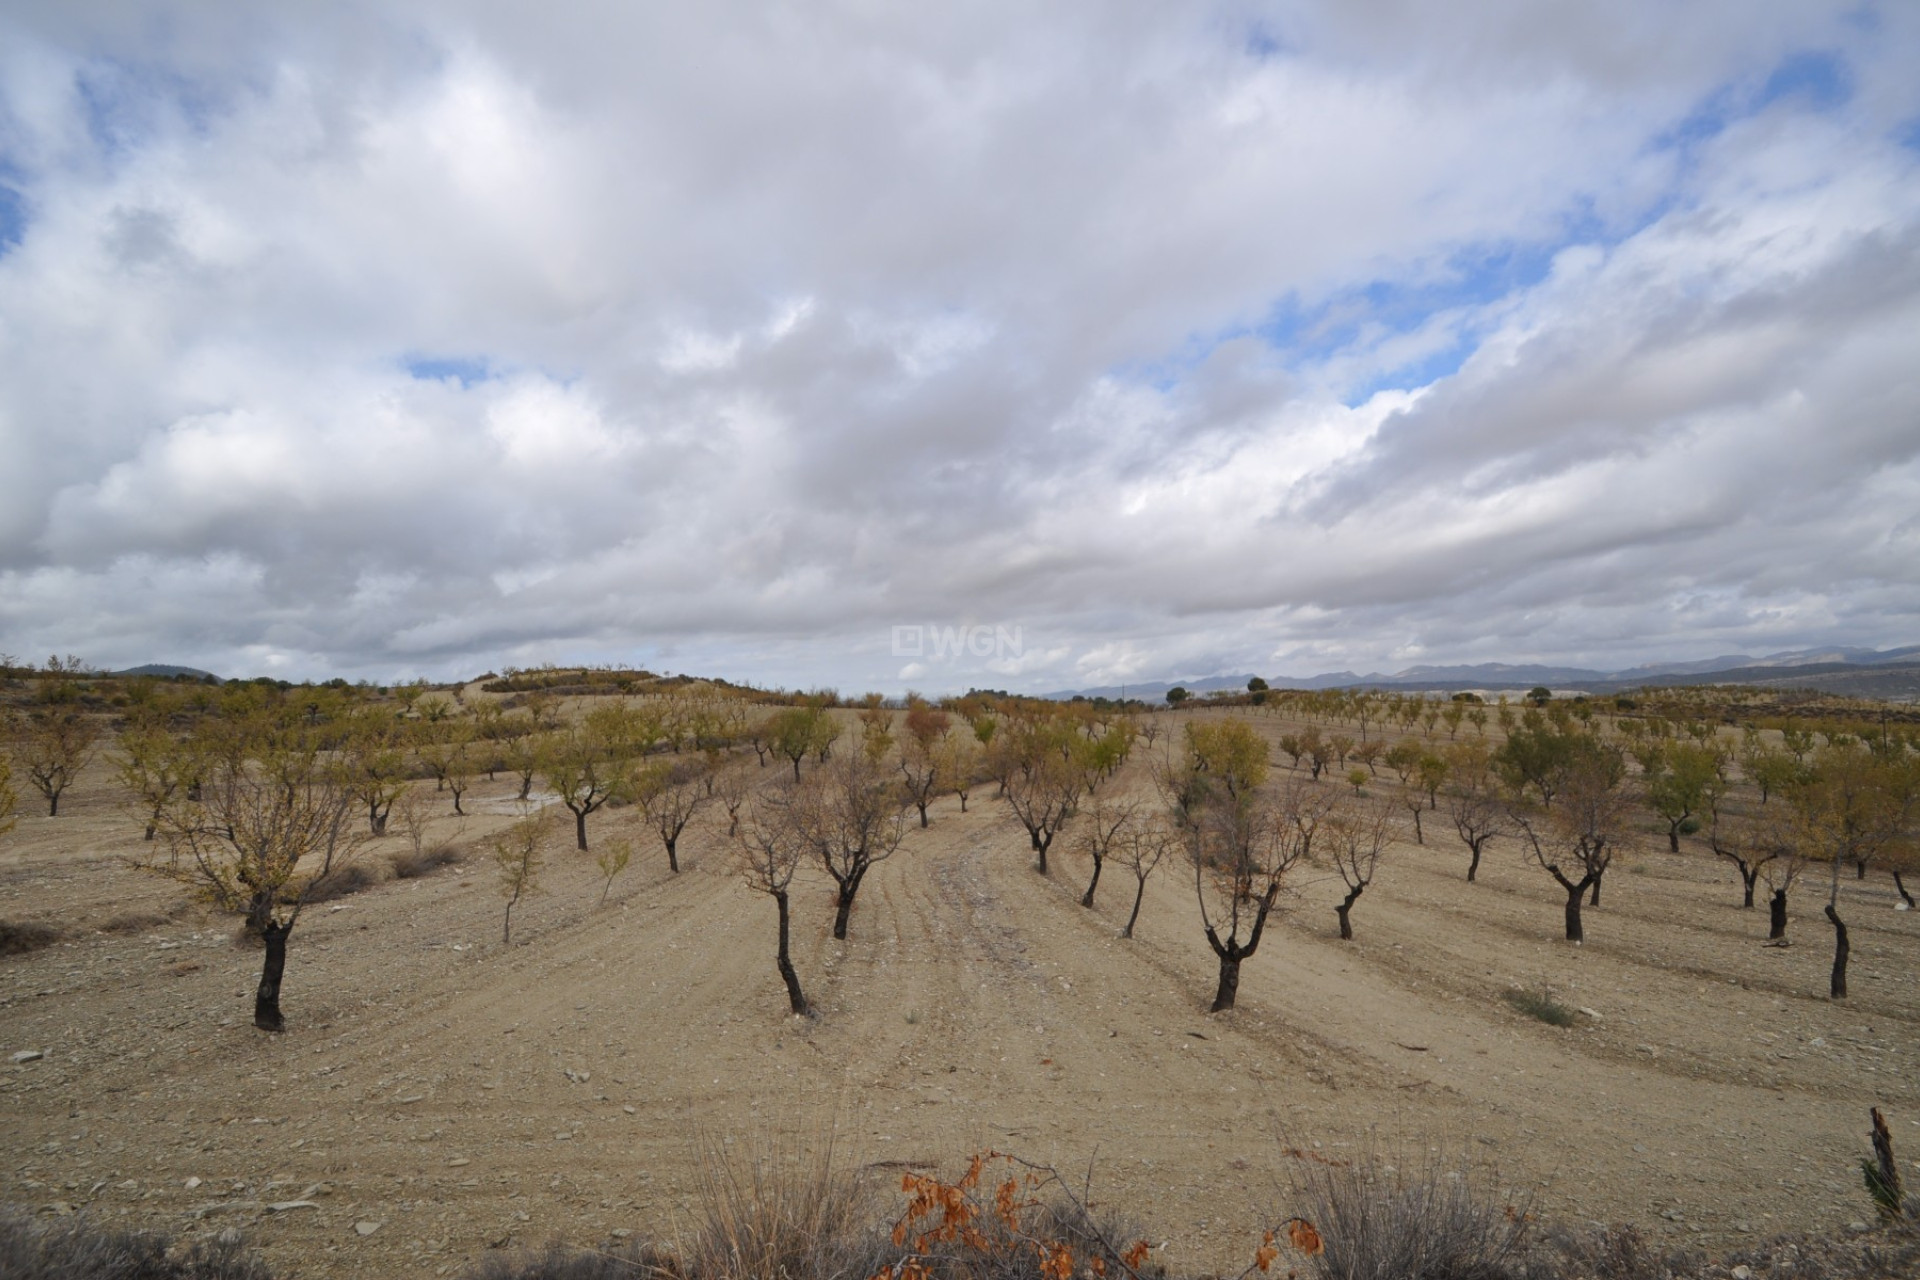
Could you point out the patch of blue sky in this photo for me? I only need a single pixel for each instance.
(466, 370)
(124, 104)
(1814, 79)
(13, 213)
(1908, 134)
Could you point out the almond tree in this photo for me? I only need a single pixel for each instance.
(265, 828)
(153, 765)
(776, 839)
(850, 817)
(1852, 805)
(1044, 796)
(583, 764)
(1107, 823)
(1355, 836)
(1241, 849)
(1473, 803)
(376, 767)
(670, 794)
(1749, 842)
(51, 747)
(1680, 782)
(920, 763)
(1575, 842)
(1140, 849)
(960, 764)
(518, 858)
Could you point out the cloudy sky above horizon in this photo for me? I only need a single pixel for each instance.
(422, 338)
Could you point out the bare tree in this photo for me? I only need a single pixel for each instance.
(1044, 796)
(921, 763)
(776, 839)
(960, 764)
(1851, 806)
(518, 858)
(51, 747)
(670, 793)
(265, 829)
(850, 817)
(1473, 803)
(1140, 849)
(1241, 850)
(1749, 841)
(1356, 835)
(1575, 842)
(1107, 823)
(733, 788)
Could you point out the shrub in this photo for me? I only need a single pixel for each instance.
(1378, 1222)
(18, 937)
(75, 1249)
(410, 864)
(1538, 1004)
(343, 881)
(134, 922)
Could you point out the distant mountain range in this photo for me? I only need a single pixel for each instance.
(1877, 673)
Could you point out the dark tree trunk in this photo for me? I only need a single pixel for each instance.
(266, 1001)
(1777, 916)
(1837, 985)
(1345, 909)
(1419, 836)
(53, 805)
(1901, 885)
(1473, 867)
(1086, 899)
(1229, 987)
(1593, 898)
(922, 806)
(796, 767)
(673, 857)
(795, 997)
(963, 802)
(1747, 878)
(1860, 869)
(580, 828)
(259, 913)
(1138, 894)
(843, 904)
(526, 785)
(1040, 847)
(1575, 891)
(1673, 839)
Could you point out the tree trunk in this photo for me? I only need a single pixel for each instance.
(1859, 868)
(1593, 898)
(53, 804)
(266, 1001)
(1901, 885)
(796, 767)
(1419, 836)
(1086, 899)
(1040, 847)
(1837, 985)
(1777, 916)
(580, 828)
(1229, 986)
(963, 802)
(673, 857)
(259, 913)
(526, 786)
(843, 905)
(1345, 909)
(922, 805)
(1673, 839)
(1747, 878)
(1138, 894)
(1574, 932)
(1473, 867)
(795, 998)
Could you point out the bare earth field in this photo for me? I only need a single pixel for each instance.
(463, 1096)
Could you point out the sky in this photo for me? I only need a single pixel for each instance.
(880, 346)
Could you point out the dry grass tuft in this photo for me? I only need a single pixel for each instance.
(76, 1249)
(19, 937)
(1378, 1221)
(343, 882)
(411, 864)
(769, 1212)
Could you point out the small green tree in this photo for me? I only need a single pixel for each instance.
(52, 746)
(518, 859)
(1679, 783)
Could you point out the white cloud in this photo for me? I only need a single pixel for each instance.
(790, 330)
